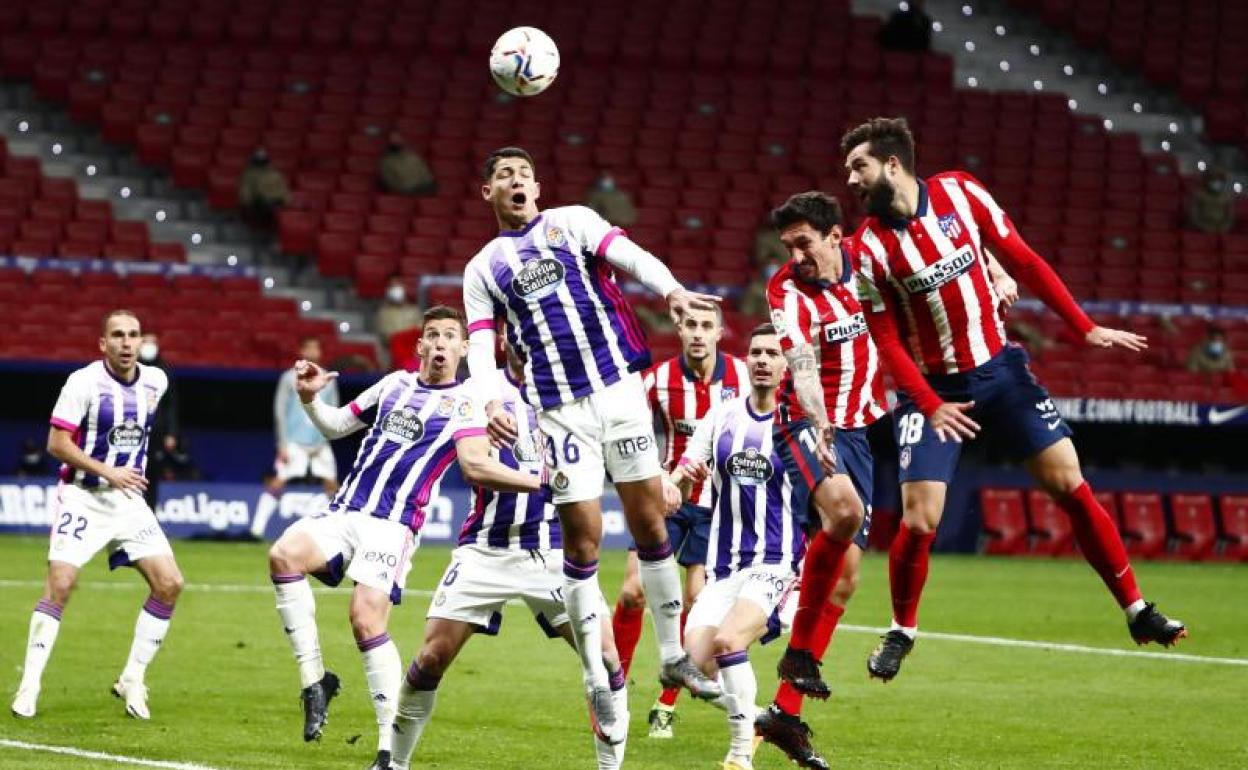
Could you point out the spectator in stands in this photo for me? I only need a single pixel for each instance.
(907, 29)
(402, 172)
(1211, 207)
(32, 461)
(396, 314)
(768, 250)
(262, 190)
(1211, 355)
(301, 449)
(611, 203)
(164, 436)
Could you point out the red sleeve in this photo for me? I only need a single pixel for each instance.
(789, 312)
(903, 368)
(1028, 267)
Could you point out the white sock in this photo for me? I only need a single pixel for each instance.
(415, 707)
(149, 634)
(909, 631)
(264, 511)
(612, 757)
(383, 669)
(661, 581)
(297, 608)
(740, 692)
(45, 623)
(583, 598)
(1133, 609)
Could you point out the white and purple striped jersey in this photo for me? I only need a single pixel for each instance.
(110, 419)
(754, 518)
(412, 429)
(515, 520)
(564, 310)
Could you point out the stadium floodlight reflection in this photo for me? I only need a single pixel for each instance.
(967, 10)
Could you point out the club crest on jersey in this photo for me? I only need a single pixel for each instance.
(153, 398)
(446, 407)
(750, 467)
(539, 278)
(560, 481)
(845, 329)
(403, 425)
(465, 409)
(904, 460)
(944, 270)
(950, 226)
(126, 437)
(555, 237)
(777, 320)
(727, 393)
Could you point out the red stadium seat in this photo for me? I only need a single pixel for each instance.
(1143, 524)
(1233, 510)
(1195, 531)
(1050, 526)
(1004, 523)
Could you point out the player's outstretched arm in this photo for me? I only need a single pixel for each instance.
(950, 421)
(61, 445)
(332, 422)
(480, 468)
(1104, 337)
(650, 271)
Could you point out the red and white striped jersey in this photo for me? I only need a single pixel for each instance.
(679, 400)
(930, 272)
(827, 316)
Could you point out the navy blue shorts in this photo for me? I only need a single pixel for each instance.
(796, 443)
(689, 532)
(1008, 401)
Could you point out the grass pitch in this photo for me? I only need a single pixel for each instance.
(224, 691)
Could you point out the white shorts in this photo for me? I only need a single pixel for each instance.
(87, 520)
(767, 585)
(315, 461)
(371, 551)
(480, 580)
(607, 432)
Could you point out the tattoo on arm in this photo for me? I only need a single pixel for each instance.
(805, 367)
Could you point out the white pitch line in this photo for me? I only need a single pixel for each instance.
(119, 759)
(997, 641)
(992, 641)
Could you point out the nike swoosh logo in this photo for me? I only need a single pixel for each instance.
(1124, 571)
(1218, 416)
(1053, 425)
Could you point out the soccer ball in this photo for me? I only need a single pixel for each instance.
(524, 61)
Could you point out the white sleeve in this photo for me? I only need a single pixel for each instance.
(598, 236)
(480, 311)
(468, 418)
(72, 405)
(332, 421)
(361, 404)
(698, 450)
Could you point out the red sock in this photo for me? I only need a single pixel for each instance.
(907, 572)
(825, 556)
(626, 624)
(1101, 544)
(670, 694)
(790, 700)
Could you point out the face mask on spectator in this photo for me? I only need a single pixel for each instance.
(771, 269)
(606, 184)
(1215, 348)
(395, 294)
(148, 352)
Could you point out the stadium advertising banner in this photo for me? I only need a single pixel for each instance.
(1143, 412)
(211, 510)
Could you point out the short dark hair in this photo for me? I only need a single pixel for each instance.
(113, 314)
(761, 329)
(820, 210)
(887, 136)
(505, 152)
(446, 313)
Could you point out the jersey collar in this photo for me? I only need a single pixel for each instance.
(721, 365)
(525, 231)
(897, 223)
(749, 408)
(428, 386)
(117, 377)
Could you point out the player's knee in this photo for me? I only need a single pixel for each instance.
(650, 534)
(435, 657)
(60, 587)
(366, 622)
(841, 515)
(1060, 481)
(281, 560)
(582, 550)
(723, 644)
(632, 596)
(167, 586)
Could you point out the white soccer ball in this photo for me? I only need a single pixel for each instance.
(524, 61)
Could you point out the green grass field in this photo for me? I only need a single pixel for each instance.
(224, 691)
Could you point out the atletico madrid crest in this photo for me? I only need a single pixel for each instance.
(950, 226)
